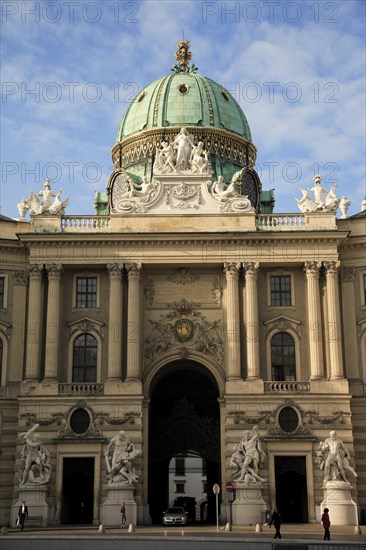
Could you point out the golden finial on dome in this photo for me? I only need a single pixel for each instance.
(183, 55)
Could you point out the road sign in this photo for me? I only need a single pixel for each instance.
(216, 489)
(230, 487)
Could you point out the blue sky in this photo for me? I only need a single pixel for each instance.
(70, 69)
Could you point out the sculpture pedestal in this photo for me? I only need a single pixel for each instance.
(342, 509)
(110, 509)
(248, 504)
(36, 500)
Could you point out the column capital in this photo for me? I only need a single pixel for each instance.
(114, 270)
(35, 271)
(332, 267)
(251, 268)
(312, 268)
(348, 274)
(20, 277)
(231, 270)
(133, 270)
(54, 271)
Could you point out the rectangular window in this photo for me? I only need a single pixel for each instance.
(180, 467)
(86, 292)
(280, 290)
(179, 488)
(2, 292)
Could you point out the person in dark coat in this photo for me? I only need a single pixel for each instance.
(123, 514)
(326, 524)
(22, 514)
(276, 520)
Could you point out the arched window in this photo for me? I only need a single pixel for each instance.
(283, 357)
(84, 360)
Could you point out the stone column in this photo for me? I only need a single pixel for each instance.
(333, 331)
(251, 319)
(133, 322)
(115, 322)
(314, 320)
(232, 320)
(349, 320)
(53, 321)
(33, 335)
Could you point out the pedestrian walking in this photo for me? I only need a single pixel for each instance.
(276, 520)
(326, 524)
(22, 514)
(123, 514)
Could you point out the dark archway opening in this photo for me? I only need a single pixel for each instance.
(291, 490)
(183, 420)
(77, 490)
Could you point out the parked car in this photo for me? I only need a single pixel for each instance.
(175, 515)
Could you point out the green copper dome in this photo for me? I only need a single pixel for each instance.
(183, 99)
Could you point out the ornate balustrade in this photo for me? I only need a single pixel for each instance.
(281, 222)
(286, 387)
(85, 223)
(81, 389)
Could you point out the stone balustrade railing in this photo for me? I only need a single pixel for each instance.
(81, 389)
(287, 387)
(85, 223)
(278, 222)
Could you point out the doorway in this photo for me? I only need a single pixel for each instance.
(291, 489)
(183, 421)
(77, 490)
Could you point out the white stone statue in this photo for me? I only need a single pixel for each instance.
(329, 203)
(184, 145)
(318, 191)
(199, 159)
(140, 190)
(119, 457)
(333, 457)
(164, 161)
(35, 468)
(57, 207)
(23, 208)
(344, 204)
(222, 192)
(47, 194)
(247, 456)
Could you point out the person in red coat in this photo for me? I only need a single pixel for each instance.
(326, 524)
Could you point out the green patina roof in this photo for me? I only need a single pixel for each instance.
(162, 104)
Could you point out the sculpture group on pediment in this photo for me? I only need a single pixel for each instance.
(181, 155)
(119, 457)
(229, 198)
(130, 196)
(246, 458)
(35, 467)
(46, 205)
(323, 200)
(333, 458)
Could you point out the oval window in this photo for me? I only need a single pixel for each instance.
(80, 421)
(288, 419)
(183, 89)
(224, 95)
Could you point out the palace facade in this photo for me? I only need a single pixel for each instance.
(184, 312)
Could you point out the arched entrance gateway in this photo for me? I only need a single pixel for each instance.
(183, 421)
